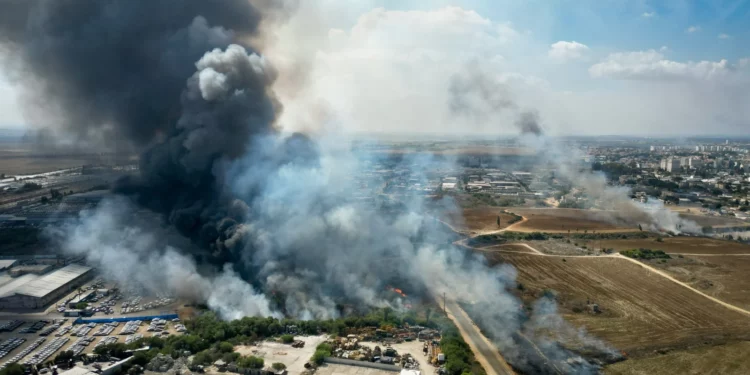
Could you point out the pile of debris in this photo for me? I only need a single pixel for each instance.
(160, 363)
(165, 363)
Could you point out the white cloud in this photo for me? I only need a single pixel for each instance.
(652, 65)
(391, 71)
(563, 51)
(724, 36)
(693, 29)
(648, 15)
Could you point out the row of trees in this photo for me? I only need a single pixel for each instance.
(210, 338)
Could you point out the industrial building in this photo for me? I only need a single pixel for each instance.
(42, 291)
(6, 264)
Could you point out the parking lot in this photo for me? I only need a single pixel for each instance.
(81, 338)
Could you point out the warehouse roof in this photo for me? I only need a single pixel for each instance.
(52, 281)
(6, 263)
(10, 288)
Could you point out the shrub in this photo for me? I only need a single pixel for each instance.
(250, 362)
(225, 347)
(645, 254)
(278, 366)
(287, 339)
(319, 356)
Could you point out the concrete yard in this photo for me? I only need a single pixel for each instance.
(335, 369)
(293, 358)
(411, 347)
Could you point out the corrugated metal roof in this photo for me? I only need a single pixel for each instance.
(15, 283)
(52, 281)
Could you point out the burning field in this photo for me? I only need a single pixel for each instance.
(231, 210)
(227, 208)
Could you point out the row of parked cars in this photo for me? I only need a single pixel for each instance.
(46, 351)
(8, 345)
(23, 352)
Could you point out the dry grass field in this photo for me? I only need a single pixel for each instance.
(729, 359)
(681, 245)
(722, 277)
(714, 221)
(642, 312)
(479, 220)
(561, 220)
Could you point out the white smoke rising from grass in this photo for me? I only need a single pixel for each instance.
(478, 95)
(134, 250)
(652, 215)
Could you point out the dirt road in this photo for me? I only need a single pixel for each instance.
(646, 266)
(484, 351)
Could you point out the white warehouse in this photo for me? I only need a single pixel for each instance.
(45, 290)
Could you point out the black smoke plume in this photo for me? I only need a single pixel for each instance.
(174, 78)
(478, 95)
(180, 81)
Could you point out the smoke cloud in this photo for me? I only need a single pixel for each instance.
(652, 216)
(476, 94)
(145, 255)
(238, 215)
(483, 98)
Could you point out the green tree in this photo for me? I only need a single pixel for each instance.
(13, 369)
(250, 362)
(55, 194)
(64, 357)
(278, 366)
(287, 339)
(225, 347)
(203, 358)
(82, 305)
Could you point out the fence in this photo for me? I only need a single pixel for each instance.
(124, 319)
(349, 362)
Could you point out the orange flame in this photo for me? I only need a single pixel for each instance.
(397, 291)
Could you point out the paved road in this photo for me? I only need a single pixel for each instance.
(485, 352)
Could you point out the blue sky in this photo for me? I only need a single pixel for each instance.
(588, 66)
(621, 24)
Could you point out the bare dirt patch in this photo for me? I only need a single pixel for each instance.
(478, 220)
(682, 245)
(564, 220)
(641, 311)
(293, 358)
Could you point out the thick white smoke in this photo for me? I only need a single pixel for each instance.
(651, 216)
(135, 250)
